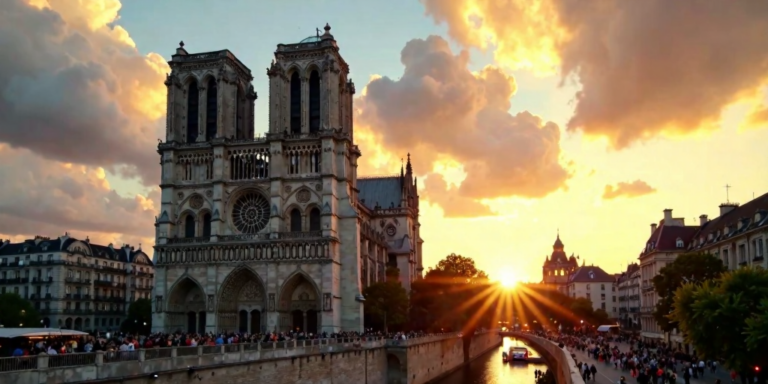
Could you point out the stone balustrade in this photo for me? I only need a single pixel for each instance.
(559, 359)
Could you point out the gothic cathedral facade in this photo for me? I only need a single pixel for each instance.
(273, 233)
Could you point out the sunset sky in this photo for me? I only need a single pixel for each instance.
(521, 117)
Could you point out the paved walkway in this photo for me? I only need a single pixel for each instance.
(607, 374)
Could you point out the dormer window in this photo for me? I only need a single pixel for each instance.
(709, 237)
(758, 217)
(679, 243)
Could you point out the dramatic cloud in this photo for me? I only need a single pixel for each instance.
(42, 197)
(453, 204)
(438, 110)
(73, 87)
(646, 67)
(633, 189)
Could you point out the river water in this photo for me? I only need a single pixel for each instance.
(489, 369)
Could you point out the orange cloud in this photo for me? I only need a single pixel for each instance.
(646, 68)
(73, 87)
(438, 109)
(633, 189)
(43, 197)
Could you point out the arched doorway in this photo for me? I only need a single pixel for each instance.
(68, 323)
(201, 322)
(394, 370)
(255, 321)
(243, 321)
(47, 322)
(184, 301)
(78, 324)
(240, 297)
(299, 304)
(191, 321)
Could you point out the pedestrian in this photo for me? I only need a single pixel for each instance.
(687, 375)
(593, 370)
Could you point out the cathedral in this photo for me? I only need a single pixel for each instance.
(273, 233)
(558, 266)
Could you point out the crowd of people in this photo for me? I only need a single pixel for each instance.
(647, 362)
(131, 342)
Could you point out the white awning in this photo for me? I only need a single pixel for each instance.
(606, 328)
(32, 332)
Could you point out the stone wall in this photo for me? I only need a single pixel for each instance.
(417, 361)
(559, 359)
(425, 360)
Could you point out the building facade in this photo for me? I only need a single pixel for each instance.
(738, 236)
(558, 266)
(628, 288)
(76, 284)
(275, 232)
(669, 238)
(595, 284)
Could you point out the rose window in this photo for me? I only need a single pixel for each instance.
(250, 214)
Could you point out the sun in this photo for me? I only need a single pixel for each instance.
(508, 279)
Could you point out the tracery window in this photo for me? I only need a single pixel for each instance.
(211, 110)
(314, 102)
(314, 220)
(189, 226)
(295, 220)
(193, 112)
(295, 103)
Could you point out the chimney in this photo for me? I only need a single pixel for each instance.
(702, 220)
(727, 207)
(667, 216)
(653, 228)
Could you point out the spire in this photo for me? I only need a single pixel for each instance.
(401, 168)
(408, 167)
(558, 243)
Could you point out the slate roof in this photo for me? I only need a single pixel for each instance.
(384, 191)
(746, 212)
(590, 274)
(42, 245)
(664, 238)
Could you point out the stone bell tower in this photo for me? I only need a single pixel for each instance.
(309, 88)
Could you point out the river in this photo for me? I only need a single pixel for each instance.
(489, 369)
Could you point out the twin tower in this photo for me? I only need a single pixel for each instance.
(272, 233)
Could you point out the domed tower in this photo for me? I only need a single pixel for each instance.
(558, 265)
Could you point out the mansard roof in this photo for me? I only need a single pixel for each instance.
(42, 245)
(384, 191)
(664, 238)
(746, 213)
(590, 274)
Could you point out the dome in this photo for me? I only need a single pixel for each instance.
(311, 39)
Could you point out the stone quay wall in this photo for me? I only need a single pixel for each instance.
(363, 361)
(559, 359)
(422, 361)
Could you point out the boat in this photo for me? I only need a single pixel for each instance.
(518, 353)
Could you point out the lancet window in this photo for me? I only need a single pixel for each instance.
(211, 110)
(193, 112)
(295, 103)
(314, 102)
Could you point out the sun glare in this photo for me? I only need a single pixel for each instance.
(508, 279)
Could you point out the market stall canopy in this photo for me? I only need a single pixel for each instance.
(606, 328)
(33, 332)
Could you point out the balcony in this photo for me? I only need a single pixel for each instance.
(105, 283)
(647, 287)
(42, 280)
(189, 240)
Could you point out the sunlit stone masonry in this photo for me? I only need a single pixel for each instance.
(275, 232)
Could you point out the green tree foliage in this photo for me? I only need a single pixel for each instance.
(726, 318)
(139, 318)
(15, 312)
(386, 303)
(449, 297)
(692, 268)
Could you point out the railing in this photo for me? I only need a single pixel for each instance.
(189, 240)
(299, 235)
(42, 361)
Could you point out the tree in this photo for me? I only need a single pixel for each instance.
(17, 312)
(386, 303)
(582, 309)
(139, 318)
(692, 268)
(726, 318)
(451, 297)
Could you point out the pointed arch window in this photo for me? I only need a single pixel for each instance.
(207, 225)
(295, 220)
(295, 103)
(211, 110)
(189, 226)
(193, 112)
(314, 220)
(314, 102)
(240, 127)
